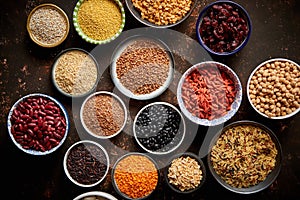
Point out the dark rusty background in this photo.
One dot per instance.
(25, 68)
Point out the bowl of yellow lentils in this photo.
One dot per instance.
(161, 14)
(99, 21)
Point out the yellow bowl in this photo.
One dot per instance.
(35, 38)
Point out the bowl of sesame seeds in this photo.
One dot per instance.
(99, 21)
(48, 25)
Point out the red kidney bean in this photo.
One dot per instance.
(223, 28)
(38, 123)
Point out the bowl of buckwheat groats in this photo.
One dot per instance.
(245, 157)
(161, 14)
(99, 21)
(273, 88)
(185, 173)
(223, 28)
(209, 93)
(142, 67)
(38, 124)
(48, 25)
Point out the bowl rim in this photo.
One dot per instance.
(54, 65)
(182, 123)
(136, 14)
(120, 49)
(67, 171)
(269, 179)
(248, 84)
(95, 193)
(31, 151)
(202, 168)
(91, 40)
(115, 186)
(61, 11)
(116, 97)
(236, 104)
(238, 48)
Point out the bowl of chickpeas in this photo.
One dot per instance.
(161, 14)
(273, 88)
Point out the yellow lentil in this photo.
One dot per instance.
(99, 19)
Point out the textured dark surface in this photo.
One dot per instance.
(26, 68)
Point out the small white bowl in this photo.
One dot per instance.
(113, 71)
(234, 106)
(114, 96)
(91, 194)
(28, 114)
(179, 137)
(83, 142)
(249, 82)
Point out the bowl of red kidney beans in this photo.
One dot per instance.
(223, 28)
(38, 124)
(209, 93)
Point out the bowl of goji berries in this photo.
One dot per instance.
(209, 93)
(223, 28)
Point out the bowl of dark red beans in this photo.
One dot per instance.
(209, 93)
(86, 163)
(38, 124)
(159, 128)
(223, 28)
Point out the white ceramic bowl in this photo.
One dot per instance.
(93, 115)
(277, 97)
(99, 194)
(160, 127)
(117, 53)
(218, 67)
(26, 124)
(83, 142)
(78, 79)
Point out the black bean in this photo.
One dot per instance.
(163, 130)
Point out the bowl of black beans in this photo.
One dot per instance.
(159, 128)
(223, 28)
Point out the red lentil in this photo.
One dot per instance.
(136, 176)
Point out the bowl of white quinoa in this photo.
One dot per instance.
(48, 25)
(245, 157)
(75, 72)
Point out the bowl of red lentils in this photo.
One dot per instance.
(142, 67)
(48, 25)
(209, 93)
(161, 14)
(185, 173)
(273, 88)
(38, 124)
(103, 114)
(75, 72)
(99, 21)
(223, 28)
(135, 176)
